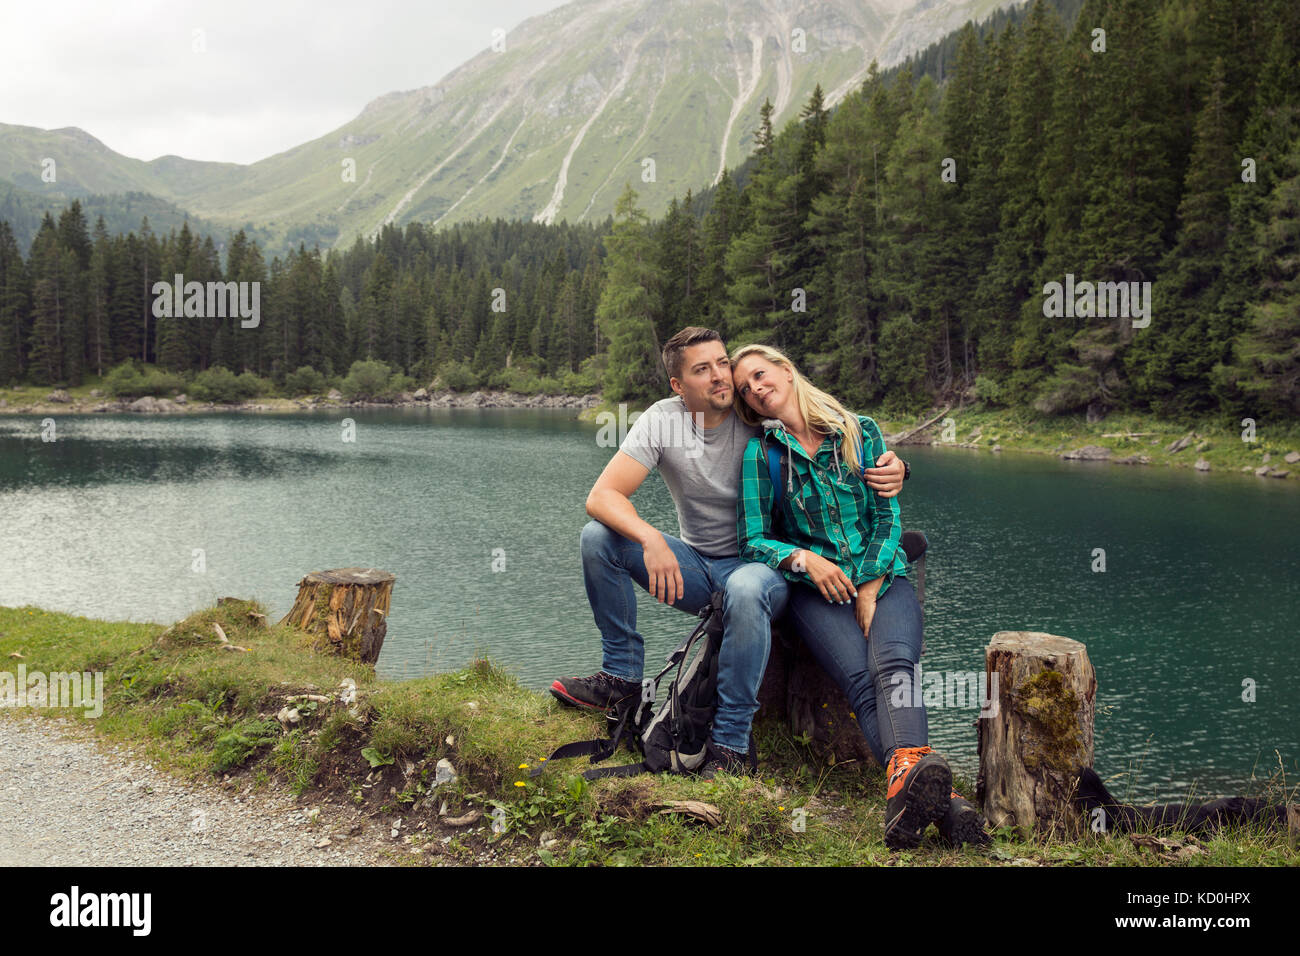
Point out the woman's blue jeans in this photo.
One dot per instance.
(876, 675)
(753, 595)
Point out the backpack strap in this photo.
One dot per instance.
(625, 770)
(774, 469)
(599, 749)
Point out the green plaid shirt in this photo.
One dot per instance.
(829, 510)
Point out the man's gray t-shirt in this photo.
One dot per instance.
(700, 466)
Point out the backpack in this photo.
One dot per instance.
(674, 738)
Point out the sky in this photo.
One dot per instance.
(234, 80)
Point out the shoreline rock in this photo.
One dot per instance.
(444, 398)
(1088, 453)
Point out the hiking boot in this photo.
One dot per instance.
(920, 785)
(598, 692)
(963, 823)
(718, 759)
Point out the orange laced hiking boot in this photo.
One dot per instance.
(963, 823)
(920, 785)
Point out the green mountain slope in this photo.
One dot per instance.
(580, 100)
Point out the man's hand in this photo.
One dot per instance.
(834, 584)
(663, 573)
(886, 479)
(866, 605)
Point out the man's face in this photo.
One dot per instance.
(705, 379)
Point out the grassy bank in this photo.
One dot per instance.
(177, 698)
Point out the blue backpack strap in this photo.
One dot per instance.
(774, 469)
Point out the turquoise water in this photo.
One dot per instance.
(1199, 593)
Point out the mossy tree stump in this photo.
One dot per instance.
(1038, 736)
(796, 689)
(346, 610)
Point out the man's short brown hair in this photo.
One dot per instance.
(673, 348)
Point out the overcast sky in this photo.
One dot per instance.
(271, 73)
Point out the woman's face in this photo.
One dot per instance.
(764, 386)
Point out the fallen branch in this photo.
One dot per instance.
(225, 641)
(902, 439)
(706, 812)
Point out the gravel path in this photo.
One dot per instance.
(67, 798)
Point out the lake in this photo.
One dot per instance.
(1198, 601)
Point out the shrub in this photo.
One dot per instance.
(401, 383)
(367, 380)
(127, 381)
(123, 381)
(251, 386)
(583, 382)
(241, 742)
(988, 390)
(159, 383)
(216, 384)
(457, 376)
(305, 381)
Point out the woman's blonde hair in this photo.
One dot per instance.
(819, 410)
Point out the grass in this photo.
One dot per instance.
(186, 705)
(1219, 440)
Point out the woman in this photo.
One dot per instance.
(857, 611)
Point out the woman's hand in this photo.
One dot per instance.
(866, 605)
(834, 584)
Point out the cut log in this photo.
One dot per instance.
(1036, 738)
(903, 438)
(346, 610)
(797, 691)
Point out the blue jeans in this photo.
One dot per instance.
(876, 675)
(753, 595)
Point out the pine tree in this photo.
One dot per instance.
(1169, 361)
(719, 226)
(1266, 366)
(1037, 126)
(54, 278)
(13, 308)
(630, 307)
(99, 292)
(840, 230)
(759, 260)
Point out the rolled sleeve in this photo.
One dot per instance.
(885, 533)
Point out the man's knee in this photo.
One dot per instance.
(596, 538)
(754, 585)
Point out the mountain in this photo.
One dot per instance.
(661, 93)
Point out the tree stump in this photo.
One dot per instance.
(346, 610)
(797, 690)
(1037, 734)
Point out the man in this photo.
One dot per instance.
(696, 442)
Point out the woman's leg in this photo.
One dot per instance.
(876, 675)
(895, 651)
